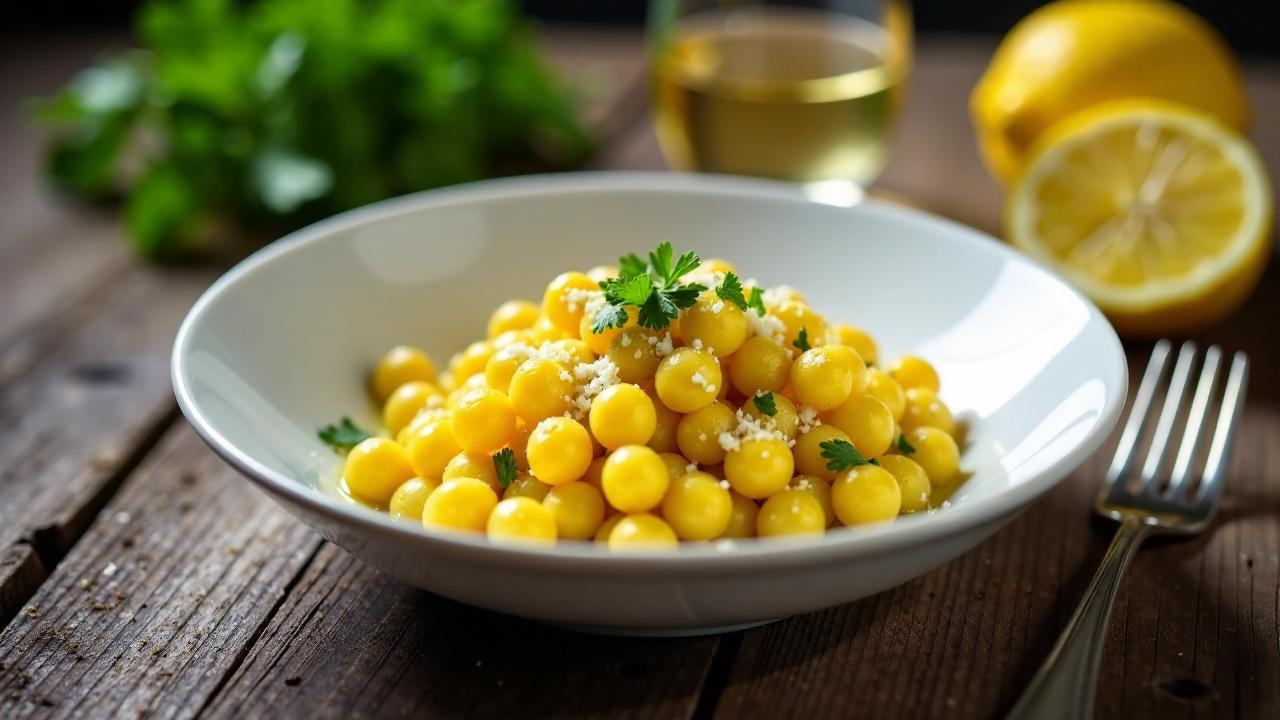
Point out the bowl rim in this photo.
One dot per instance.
(723, 556)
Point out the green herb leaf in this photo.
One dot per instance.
(841, 455)
(905, 447)
(730, 290)
(345, 435)
(632, 290)
(802, 340)
(660, 260)
(631, 264)
(609, 316)
(756, 301)
(504, 463)
(687, 263)
(765, 403)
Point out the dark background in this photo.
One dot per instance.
(1251, 26)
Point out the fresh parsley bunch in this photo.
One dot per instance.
(654, 288)
(272, 114)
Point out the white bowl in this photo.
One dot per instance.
(281, 344)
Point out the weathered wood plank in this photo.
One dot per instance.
(161, 597)
(349, 642)
(89, 393)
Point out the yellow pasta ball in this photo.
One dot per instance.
(473, 465)
(791, 512)
(526, 485)
(483, 421)
(545, 331)
(887, 390)
(854, 337)
(559, 450)
(912, 480)
(641, 531)
(606, 527)
(635, 479)
(697, 507)
(599, 342)
(823, 377)
(375, 468)
(937, 453)
(785, 419)
(400, 365)
(866, 421)
(521, 520)
(578, 510)
(742, 517)
(718, 266)
(677, 464)
(797, 316)
(408, 499)
(635, 351)
(923, 408)
(759, 468)
(540, 389)
(565, 300)
(866, 494)
(668, 423)
(911, 372)
(502, 366)
(520, 443)
(808, 450)
(513, 315)
(431, 447)
(820, 490)
(426, 415)
(622, 415)
(688, 379)
(406, 401)
(714, 324)
(472, 360)
(594, 475)
(698, 434)
(578, 352)
(460, 504)
(760, 365)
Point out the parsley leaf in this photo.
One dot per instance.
(504, 463)
(632, 290)
(631, 264)
(345, 435)
(609, 316)
(731, 290)
(654, 289)
(802, 340)
(756, 301)
(841, 455)
(904, 446)
(765, 403)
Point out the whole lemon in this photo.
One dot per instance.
(1073, 54)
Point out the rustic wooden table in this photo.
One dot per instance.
(140, 576)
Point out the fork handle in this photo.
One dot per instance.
(1064, 685)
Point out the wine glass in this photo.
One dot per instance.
(800, 91)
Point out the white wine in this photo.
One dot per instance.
(786, 93)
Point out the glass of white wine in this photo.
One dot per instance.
(800, 91)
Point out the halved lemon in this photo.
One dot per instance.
(1160, 214)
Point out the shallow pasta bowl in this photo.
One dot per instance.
(280, 346)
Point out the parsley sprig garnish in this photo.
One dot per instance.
(905, 447)
(841, 455)
(504, 463)
(345, 435)
(765, 403)
(802, 340)
(653, 287)
(731, 290)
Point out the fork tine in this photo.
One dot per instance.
(1159, 451)
(1139, 413)
(1225, 433)
(1178, 479)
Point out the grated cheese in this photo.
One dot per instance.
(593, 378)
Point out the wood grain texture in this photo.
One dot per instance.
(350, 642)
(160, 599)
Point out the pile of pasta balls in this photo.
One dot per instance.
(732, 411)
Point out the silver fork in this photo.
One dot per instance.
(1064, 686)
